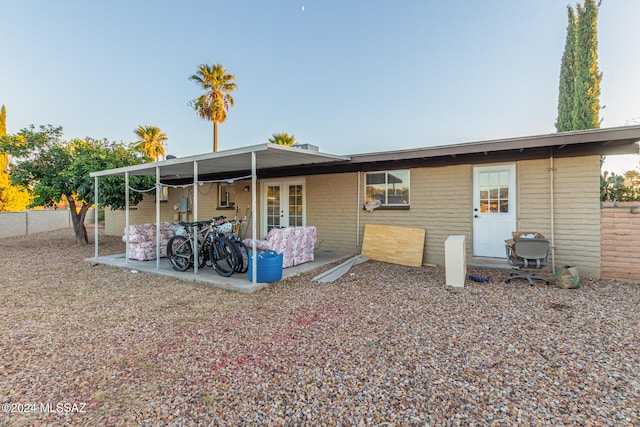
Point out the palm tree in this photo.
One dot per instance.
(283, 139)
(213, 104)
(151, 143)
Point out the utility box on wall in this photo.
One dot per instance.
(184, 205)
(455, 261)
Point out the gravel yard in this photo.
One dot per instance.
(385, 345)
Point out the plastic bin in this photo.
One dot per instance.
(455, 261)
(269, 267)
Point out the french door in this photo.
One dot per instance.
(283, 204)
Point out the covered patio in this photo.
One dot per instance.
(226, 166)
(238, 282)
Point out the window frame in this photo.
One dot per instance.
(230, 204)
(389, 206)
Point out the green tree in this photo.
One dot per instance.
(214, 103)
(567, 77)
(151, 142)
(283, 139)
(586, 100)
(5, 179)
(580, 78)
(620, 188)
(3, 121)
(55, 168)
(12, 198)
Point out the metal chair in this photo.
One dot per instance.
(527, 256)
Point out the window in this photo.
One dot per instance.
(494, 192)
(164, 193)
(225, 196)
(390, 187)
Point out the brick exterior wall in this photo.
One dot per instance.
(620, 224)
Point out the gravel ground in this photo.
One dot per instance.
(384, 345)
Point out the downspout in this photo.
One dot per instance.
(358, 214)
(553, 231)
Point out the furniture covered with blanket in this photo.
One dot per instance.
(142, 240)
(296, 244)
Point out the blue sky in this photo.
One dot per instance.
(347, 76)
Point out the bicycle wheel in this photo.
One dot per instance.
(223, 257)
(243, 256)
(203, 253)
(180, 253)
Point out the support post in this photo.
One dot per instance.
(95, 216)
(158, 192)
(254, 229)
(196, 249)
(126, 216)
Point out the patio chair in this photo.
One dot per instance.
(527, 256)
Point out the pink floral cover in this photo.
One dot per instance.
(296, 244)
(142, 240)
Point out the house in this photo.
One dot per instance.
(482, 190)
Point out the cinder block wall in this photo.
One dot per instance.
(34, 221)
(620, 226)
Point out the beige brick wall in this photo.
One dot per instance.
(335, 212)
(441, 203)
(620, 240)
(533, 196)
(577, 207)
(332, 206)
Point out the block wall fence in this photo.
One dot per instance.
(620, 240)
(37, 221)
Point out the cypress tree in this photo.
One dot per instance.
(567, 76)
(579, 95)
(586, 100)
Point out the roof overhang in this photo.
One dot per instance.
(268, 156)
(620, 140)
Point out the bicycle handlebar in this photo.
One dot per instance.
(202, 223)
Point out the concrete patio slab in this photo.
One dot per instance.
(207, 275)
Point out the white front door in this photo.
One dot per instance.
(283, 204)
(494, 209)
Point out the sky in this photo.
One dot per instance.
(349, 76)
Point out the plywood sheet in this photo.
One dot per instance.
(397, 245)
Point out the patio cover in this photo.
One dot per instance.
(228, 162)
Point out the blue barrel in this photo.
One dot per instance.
(269, 266)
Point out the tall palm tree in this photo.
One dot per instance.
(214, 103)
(283, 139)
(152, 142)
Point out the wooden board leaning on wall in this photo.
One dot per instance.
(396, 245)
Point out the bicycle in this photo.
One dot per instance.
(239, 247)
(212, 246)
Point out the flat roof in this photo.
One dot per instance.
(268, 156)
(618, 140)
(277, 159)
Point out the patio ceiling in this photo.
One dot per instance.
(267, 156)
